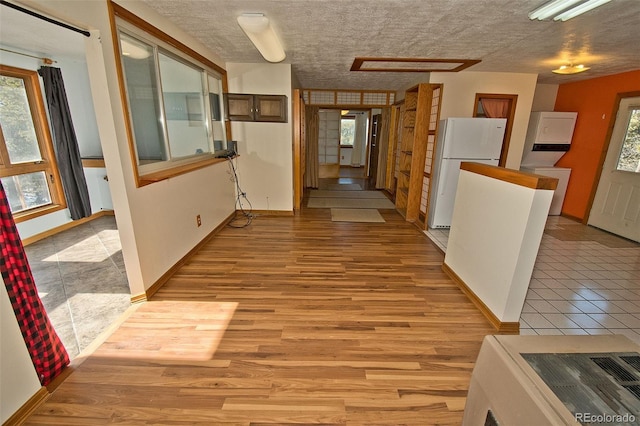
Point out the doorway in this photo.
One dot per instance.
(342, 141)
(494, 105)
(616, 204)
(329, 143)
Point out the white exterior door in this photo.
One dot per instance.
(616, 207)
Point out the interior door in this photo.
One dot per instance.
(616, 206)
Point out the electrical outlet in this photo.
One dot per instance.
(198, 220)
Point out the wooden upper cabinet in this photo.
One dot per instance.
(239, 107)
(248, 107)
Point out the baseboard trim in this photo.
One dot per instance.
(28, 408)
(64, 227)
(574, 218)
(502, 327)
(167, 275)
(138, 298)
(273, 212)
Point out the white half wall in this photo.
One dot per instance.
(265, 161)
(494, 239)
(459, 94)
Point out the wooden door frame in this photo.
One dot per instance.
(394, 121)
(298, 149)
(605, 149)
(504, 152)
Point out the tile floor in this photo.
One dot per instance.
(81, 279)
(585, 281)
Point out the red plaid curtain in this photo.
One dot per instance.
(47, 352)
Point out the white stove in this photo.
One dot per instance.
(555, 380)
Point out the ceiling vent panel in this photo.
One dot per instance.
(411, 64)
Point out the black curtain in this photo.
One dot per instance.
(66, 144)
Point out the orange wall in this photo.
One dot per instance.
(594, 101)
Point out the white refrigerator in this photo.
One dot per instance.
(460, 139)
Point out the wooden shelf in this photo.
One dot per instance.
(418, 137)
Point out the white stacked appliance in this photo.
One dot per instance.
(549, 138)
(460, 139)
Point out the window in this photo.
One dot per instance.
(27, 166)
(347, 131)
(174, 104)
(629, 160)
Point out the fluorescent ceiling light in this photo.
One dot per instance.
(564, 9)
(257, 27)
(580, 9)
(551, 9)
(570, 69)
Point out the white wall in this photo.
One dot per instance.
(265, 162)
(18, 378)
(459, 94)
(544, 98)
(98, 185)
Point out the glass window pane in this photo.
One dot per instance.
(347, 131)
(217, 125)
(27, 191)
(144, 103)
(629, 160)
(182, 90)
(17, 123)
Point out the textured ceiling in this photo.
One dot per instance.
(322, 37)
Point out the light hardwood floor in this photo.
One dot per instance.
(292, 320)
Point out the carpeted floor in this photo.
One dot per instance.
(356, 215)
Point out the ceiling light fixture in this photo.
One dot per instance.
(257, 27)
(563, 10)
(570, 69)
